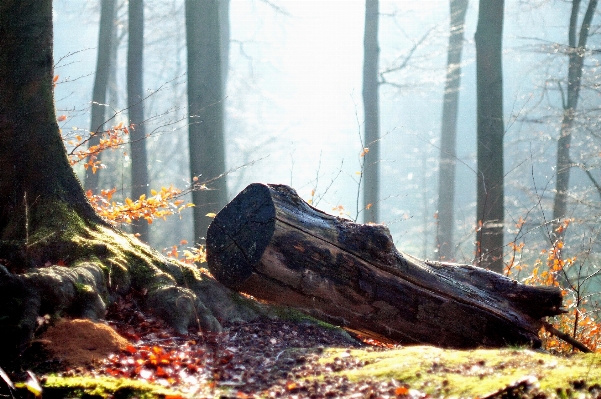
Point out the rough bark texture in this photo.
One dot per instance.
(205, 107)
(577, 50)
(101, 78)
(489, 76)
(135, 100)
(371, 54)
(448, 136)
(56, 255)
(269, 243)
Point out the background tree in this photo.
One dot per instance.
(224, 26)
(448, 135)
(205, 109)
(577, 39)
(106, 47)
(135, 100)
(371, 175)
(490, 132)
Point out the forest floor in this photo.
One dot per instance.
(276, 359)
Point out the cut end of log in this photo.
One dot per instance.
(239, 234)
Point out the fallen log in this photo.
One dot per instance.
(269, 243)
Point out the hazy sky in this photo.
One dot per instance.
(294, 96)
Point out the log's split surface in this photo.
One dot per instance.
(269, 243)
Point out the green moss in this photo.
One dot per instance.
(472, 373)
(102, 387)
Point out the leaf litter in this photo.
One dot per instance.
(272, 359)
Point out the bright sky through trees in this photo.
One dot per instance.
(294, 98)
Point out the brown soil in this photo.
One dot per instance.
(81, 342)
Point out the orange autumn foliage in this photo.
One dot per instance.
(158, 205)
(551, 269)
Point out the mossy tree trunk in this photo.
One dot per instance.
(56, 255)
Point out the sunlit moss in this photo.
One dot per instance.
(471, 373)
(103, 387)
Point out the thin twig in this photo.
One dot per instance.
(566, 337)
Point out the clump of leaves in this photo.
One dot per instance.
(552, 269)
(159, 205)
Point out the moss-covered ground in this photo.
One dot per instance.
(102, 387)
(472, 373)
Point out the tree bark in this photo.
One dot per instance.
(101, 78)
(224, 27)
(45, 218)
(269, 243)
(490, 192)
(135, 100)
(205, 109)
(448, 136)
(371, 158)
(577, 51)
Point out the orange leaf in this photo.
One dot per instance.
(290, 386)
(401, 391)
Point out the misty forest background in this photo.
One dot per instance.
(293, 114)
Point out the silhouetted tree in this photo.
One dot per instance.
(577, 39)
(224, 26)
(490, 190)
(135, 101)
(101, 78)
(205, 109)
(371, 175)
(448, 135)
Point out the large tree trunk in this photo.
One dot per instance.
(490, 213)
(205, 109)
(269, 243)
(577, 51)
(448, 135)
(45, 218)
(103, 68)
(135, 101)
(371, 54)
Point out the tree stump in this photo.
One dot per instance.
(269, 243)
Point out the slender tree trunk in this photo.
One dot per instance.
(135, 97)
(371, 174)
(448, 137)
(205, 109)
(101, 79)
(224, 26)
(489, 76)
(577, 50)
